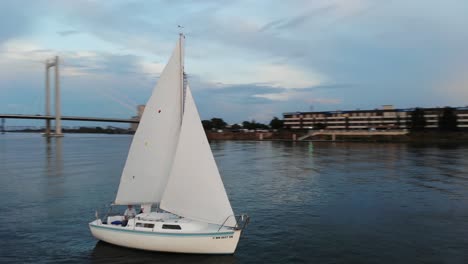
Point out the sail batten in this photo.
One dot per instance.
(195, 189)
(151, 153)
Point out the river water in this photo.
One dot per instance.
(309, 202)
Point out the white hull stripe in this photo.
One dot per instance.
(163, 234)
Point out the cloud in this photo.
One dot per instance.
(108, 84)
(247, 58)
(274, 75)
(454, 87)
(324, 101)
(19, 54)
(287, 76)
(295, 95)
(65, 33)
(151, 68)
(284, 96)
(259, 101)
(17, 19)
(294, 21)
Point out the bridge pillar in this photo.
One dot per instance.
(3, 126)
(58, 119)
(47, 98)
(333, 137)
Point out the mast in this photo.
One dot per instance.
(182, 79)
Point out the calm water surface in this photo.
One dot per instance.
(308, 202)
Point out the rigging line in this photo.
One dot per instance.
(121, 96)
(117, 100)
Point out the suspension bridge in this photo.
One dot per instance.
(57, 115)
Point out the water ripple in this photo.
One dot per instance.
(309, 202)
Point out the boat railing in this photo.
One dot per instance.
(241, 221)
(109, 212)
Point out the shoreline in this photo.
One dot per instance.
(295, 136)
(412, 137)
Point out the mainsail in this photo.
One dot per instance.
(195, 189)
(151, 154)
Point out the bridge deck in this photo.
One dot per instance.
(71, 118)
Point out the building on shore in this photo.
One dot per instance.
(140, 110)
(386, 117)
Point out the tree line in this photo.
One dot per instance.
(218, 123)
(447, 120)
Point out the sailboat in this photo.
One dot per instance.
(171, 172)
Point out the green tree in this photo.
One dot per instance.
(235, 127)
(276, 123)
(254, 125)
(248, 125)
(218, 123)
(448, 120)
(261, 126)
(207, 125)
(418, 121)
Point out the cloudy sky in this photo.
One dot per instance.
(246, 59)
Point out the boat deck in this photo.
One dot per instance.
(162, 222)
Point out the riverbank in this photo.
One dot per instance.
(435, 136)
(228, 135)
(291, 135)
(288, 135)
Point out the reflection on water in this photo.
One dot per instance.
(107, 253)
(53, 156)
(309, 202)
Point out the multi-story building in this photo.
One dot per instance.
(386, 117)
(140, 110)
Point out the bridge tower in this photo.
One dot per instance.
(58, 121)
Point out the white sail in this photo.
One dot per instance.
(151, 154)
(195, 189)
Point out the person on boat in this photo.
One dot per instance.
(128, 214)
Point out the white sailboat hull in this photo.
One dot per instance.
(195, 243)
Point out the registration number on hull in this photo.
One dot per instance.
(222, 237)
